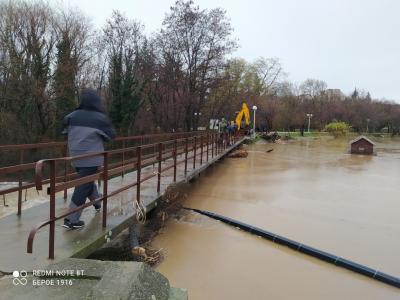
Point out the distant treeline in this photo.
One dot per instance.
(174, 79)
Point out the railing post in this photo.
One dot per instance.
(105, 189)
(123, 158)
(186, 154)
(194, 152)
(216, 143)
(21, 161)
(52, 208)
(154, 152)
(201, 150)
(138, 172)
(175, 153)
(212, 145)
(224, 141)
(65, 171)
(160, 145)
(208, 141)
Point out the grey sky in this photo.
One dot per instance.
(347, 43)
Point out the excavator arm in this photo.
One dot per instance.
(243, 113)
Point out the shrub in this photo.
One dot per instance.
(337, 128)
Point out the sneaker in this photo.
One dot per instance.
(97, 206)
(68, 224)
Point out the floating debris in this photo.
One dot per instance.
(270, 136)
(148, 255)
(238, 154)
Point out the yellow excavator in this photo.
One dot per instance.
(243, 113)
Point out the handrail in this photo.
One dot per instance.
(156, 157)
(8, 147)
(16, 168)
(26, 167)
(31, 146)
(40, 163)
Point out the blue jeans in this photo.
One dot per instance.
(83, 191)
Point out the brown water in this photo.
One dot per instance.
(311, 191)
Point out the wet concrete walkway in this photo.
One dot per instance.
(14, 230)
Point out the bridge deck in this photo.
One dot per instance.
(14, 230)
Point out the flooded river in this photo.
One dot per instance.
(310, 191)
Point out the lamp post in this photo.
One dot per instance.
(254, 121)
(309, 116)
(197, 115)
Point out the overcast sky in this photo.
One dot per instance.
(347, 43)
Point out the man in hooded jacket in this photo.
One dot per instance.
(88, 127)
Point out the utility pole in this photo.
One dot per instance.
(254, 121)
(309, 116)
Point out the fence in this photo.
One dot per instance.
(179, 150)
(24, 168)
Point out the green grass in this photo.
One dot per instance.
(297, 134)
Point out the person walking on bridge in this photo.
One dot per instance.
(88, 127)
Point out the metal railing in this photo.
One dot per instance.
(179, 150)
(60, 149)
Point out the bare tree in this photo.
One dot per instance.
(269, 72)
(198, 42)
(27, 38)
(313, 87)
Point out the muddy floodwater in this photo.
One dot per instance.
(308, 190)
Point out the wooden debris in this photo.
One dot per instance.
(270, 137)
(150, 256)
(163, 217)
(238, 154)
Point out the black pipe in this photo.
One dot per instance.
(325, 256)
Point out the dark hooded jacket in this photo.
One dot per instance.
(88, 128)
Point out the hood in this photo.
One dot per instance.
(90, 101)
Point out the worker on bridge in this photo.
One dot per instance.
(231, 133)
(88, 127)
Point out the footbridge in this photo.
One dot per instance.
(137, 171)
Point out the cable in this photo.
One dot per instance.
(140, 211)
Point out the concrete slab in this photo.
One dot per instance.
(96, 280)
(178, 294)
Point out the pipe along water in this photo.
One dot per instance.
(322, 255)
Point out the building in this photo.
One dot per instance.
(362, 145)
